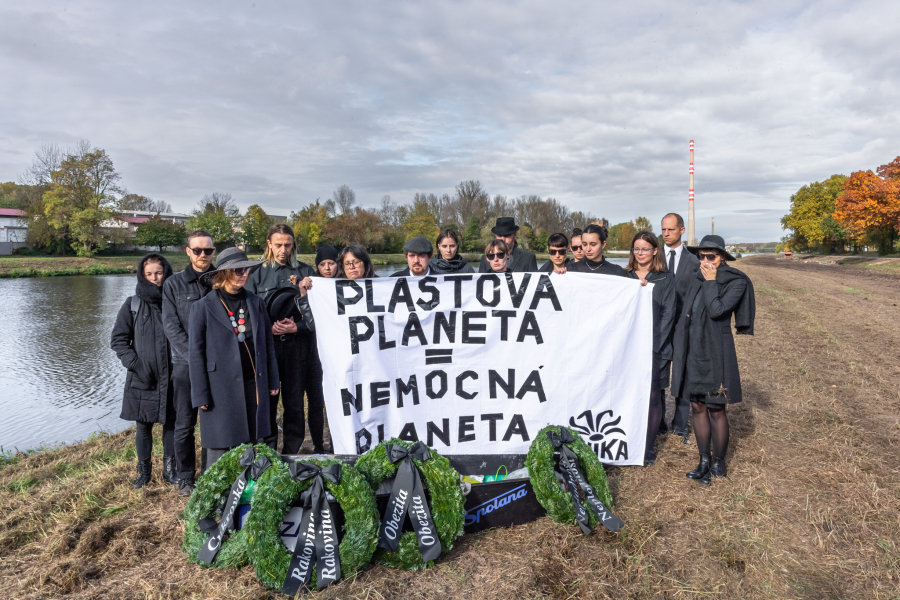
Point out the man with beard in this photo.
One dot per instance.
(418, 254)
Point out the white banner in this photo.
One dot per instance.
(478, 364)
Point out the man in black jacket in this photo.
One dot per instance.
(685, 266)
(522, 261)
(418, 254)
(180, 292)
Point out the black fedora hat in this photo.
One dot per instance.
(712, 242)
(280, 304)
(505, 226)
(231, 258)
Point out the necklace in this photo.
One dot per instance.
(238, 322)
(588, 262)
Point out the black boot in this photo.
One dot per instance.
(185, 487)
(718, 468)
(702, 469)
(143, 469)
(170, 472)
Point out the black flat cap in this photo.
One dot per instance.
(419, 245)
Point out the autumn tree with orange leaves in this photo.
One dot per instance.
(870, 205)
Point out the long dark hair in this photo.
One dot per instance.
(659, 261)
(360, 253)
(447, 233)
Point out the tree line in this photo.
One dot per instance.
(846, 212)
(72, 197)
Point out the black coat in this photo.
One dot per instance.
(215, 367)
(140, 343)
(663, 320)
(685, 272)
(548, 266)
(522, 261)
(705, 360)
(180, 292)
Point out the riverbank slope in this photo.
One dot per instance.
(809, 508)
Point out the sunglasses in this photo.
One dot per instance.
(707, 257)
(500, 255)
(206, 251)
(242, 271)
(576, 248)
(553, 252)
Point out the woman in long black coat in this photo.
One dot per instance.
(140, 343)
(706, 367)
(234, 374)
(648, 265)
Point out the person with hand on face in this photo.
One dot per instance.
(646, 264)
(354, 263)
(521, 261)
(705, 368)
(575, 245)
(295, 345)
(326, 261)
(684, 265)
(138, 339)
(180, 293)
(418, 252)
(557, 248)
(593, 241)
(498, 257)
(449, 260)
(234, 373)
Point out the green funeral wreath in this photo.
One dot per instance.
(446, 502)
(268, 554)
(548, 489)
(210, 494)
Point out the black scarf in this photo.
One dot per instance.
(145, 290)
(442, 265)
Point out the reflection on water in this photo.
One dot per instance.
(59, 381)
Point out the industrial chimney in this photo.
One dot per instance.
(692, 232)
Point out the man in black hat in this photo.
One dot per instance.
(179, 294)
(684, 265)
(522, 261)
(418, 252)
(295, 345)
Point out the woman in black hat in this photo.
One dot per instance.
(354, 263)
(448, 259)
(706, 368)
(648, 265)
(234, 373)
(593, 241)
(326, 261)
(140, 343)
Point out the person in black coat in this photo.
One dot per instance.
(138, 339)
(448, 259)
(646, 264)
(557, 248)
(593, 241)
(497, 256)
(706, 367)
(521, 261)
(234, 373)
(418, 253)
(685, 266)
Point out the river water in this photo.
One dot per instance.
(59, 381)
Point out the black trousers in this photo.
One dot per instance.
(680, 418)
(143, 439)
(185, 424)
(301, 373)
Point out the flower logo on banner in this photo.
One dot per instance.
(598, 433)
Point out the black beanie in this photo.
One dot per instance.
(326, 252)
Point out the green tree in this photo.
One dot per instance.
(471, 238)
(160, 233)
(420, 222)
(81, 199)
(309, 225)
(642, 224)
(216, 214)
(810, 222)
(255, 227)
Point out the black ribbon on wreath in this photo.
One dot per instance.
(253, 468)
(408, 497)
(317, 540)
(575, 480)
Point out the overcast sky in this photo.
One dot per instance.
(592, 103)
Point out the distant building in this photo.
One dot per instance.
(601, 222)
(13, 230)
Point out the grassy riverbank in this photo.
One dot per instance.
(809, 509)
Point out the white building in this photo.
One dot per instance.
(13, 230)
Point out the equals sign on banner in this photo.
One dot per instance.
(438, 357)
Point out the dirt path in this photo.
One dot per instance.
(809, 509)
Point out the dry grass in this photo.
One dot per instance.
(809, 509)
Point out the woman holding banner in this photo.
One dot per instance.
(593, 241)
(354, 263)
(234, 373)
(326, 261)
(448, 259)
(497, 255)
(706, 368)
(648, 265)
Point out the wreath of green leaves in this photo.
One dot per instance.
(210, 494)
(548, 489)
(446, 502)
(268, 554)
